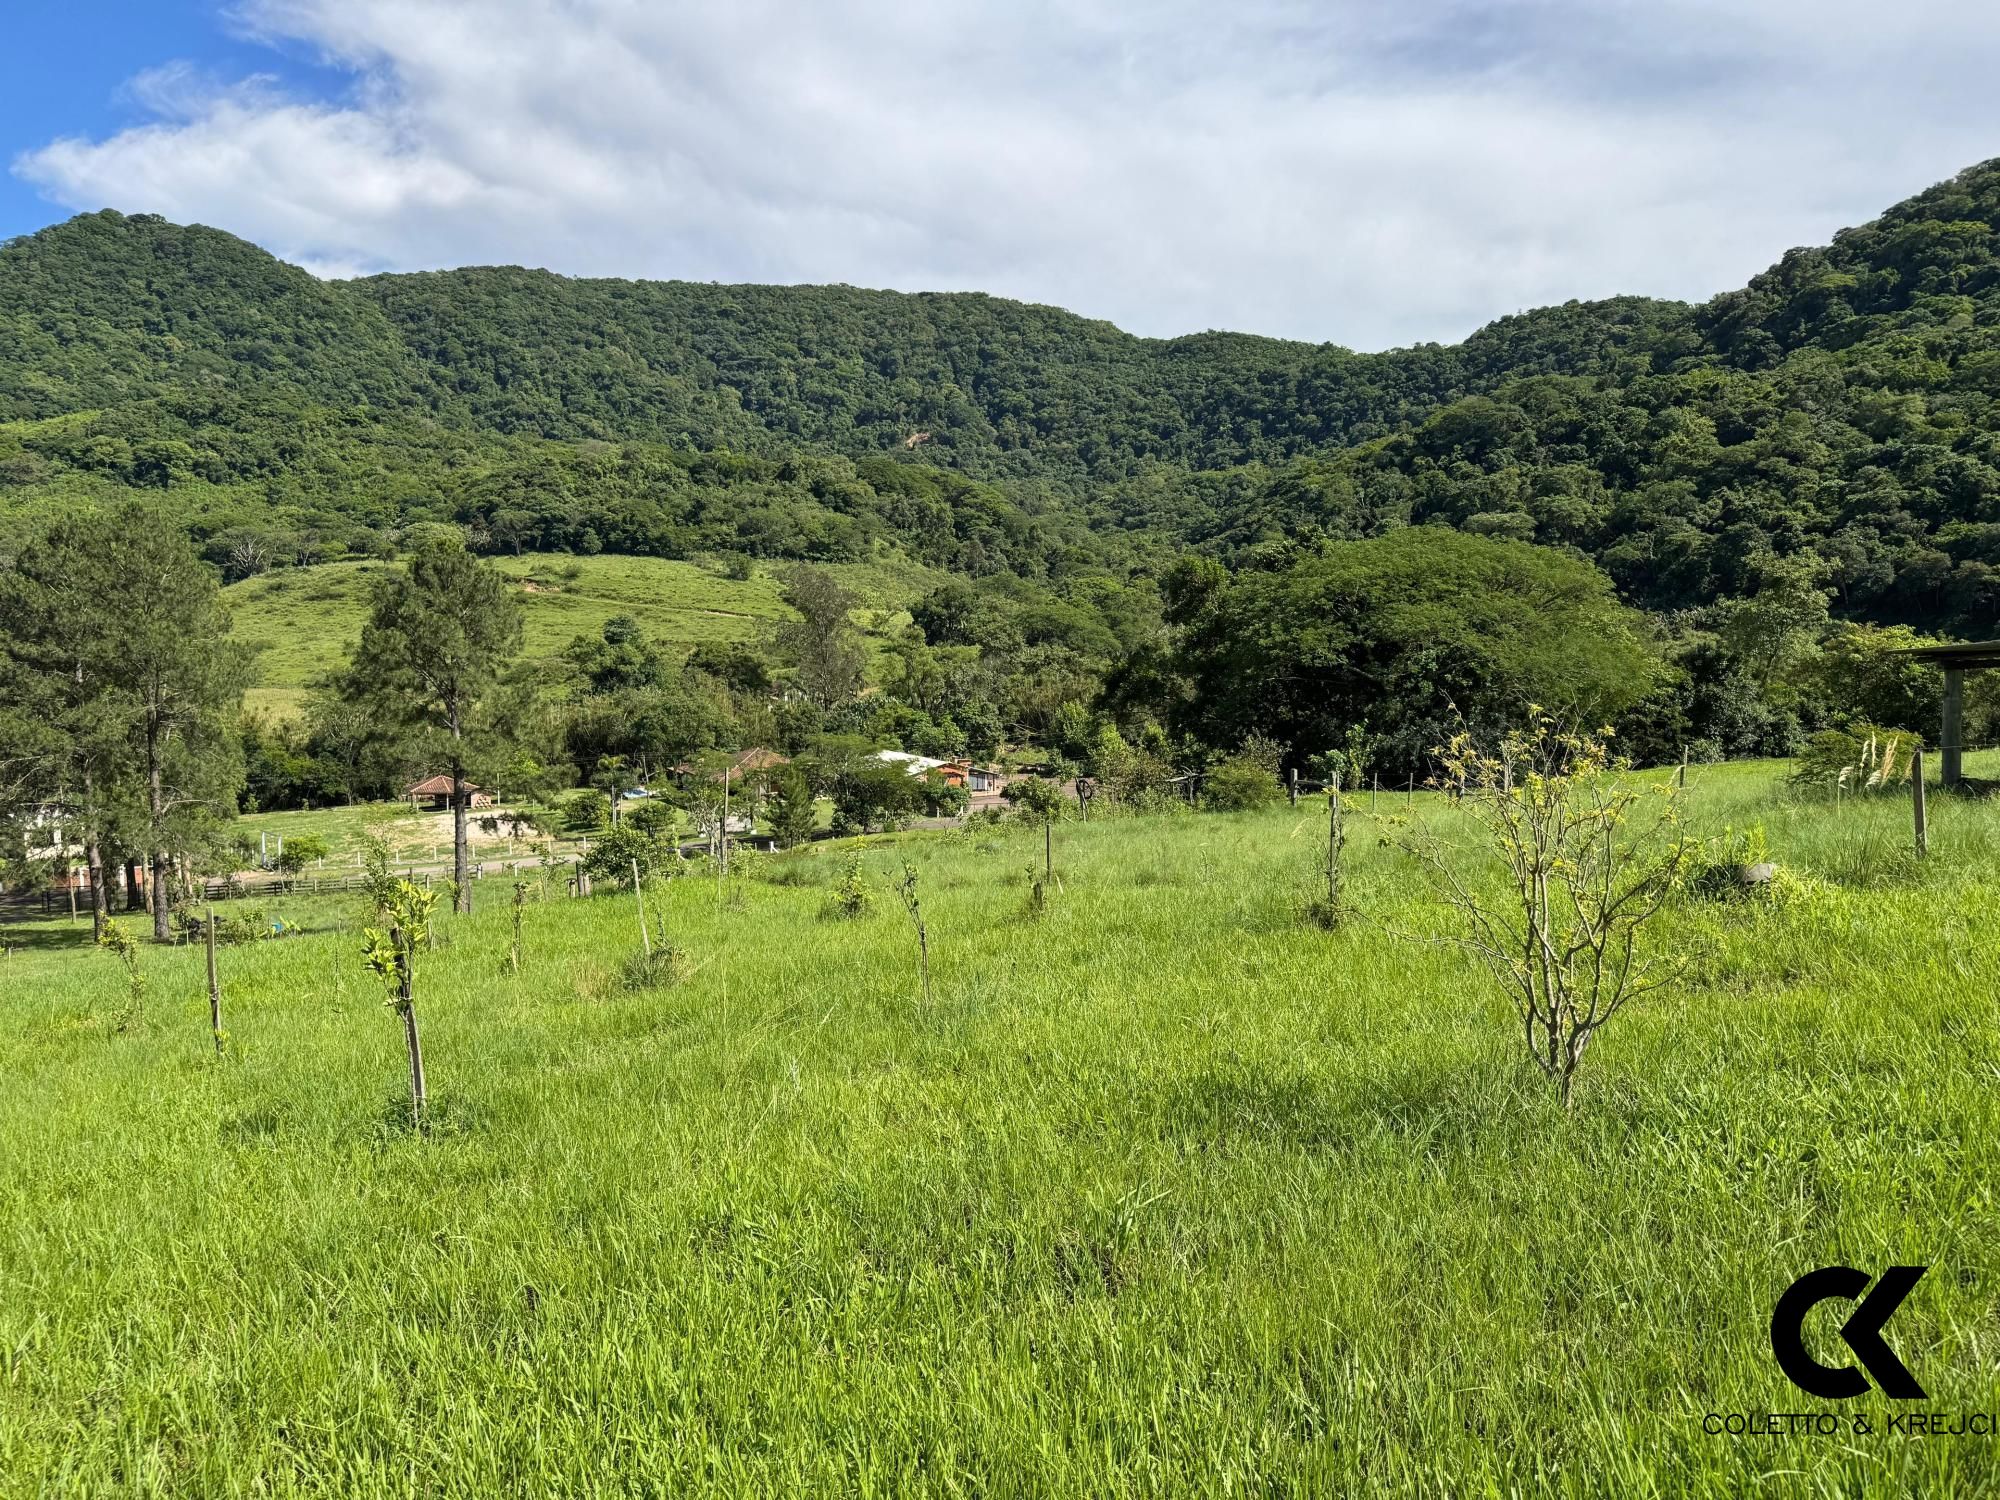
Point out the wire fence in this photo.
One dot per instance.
(75, 897)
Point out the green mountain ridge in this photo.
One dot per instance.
(106, 308)
(1840, 413)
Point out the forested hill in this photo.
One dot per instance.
(1843, 412)
(106, 308)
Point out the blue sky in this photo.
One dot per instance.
(68, 67)
(1368, 172)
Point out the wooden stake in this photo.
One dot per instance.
(514, 948)
(639, 891)
(1333, 847)
(407, 1003)
(1681, 780)
(1917, 801)
(1951, 742)
(214, 988)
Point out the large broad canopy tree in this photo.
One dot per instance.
(126, 690)
(433, 659)
(65, 767)
(1413, 634)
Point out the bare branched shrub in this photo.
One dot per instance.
(906, 888)
(1589, 857)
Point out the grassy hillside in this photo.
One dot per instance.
(1165, 1193)
(305, 621)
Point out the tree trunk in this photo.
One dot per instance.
(100, 899)
(406, 1003)
(161, 885)
(461, 863)
(162, 881)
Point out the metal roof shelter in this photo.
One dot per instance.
(1956, 658)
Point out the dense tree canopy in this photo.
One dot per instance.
(1807, 467)
(1408, 637)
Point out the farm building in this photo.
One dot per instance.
(433, 794)
(955, 772)
(1956, 658)
(750, 762)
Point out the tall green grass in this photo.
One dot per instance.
(1167, 1192)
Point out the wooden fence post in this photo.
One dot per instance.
(1681, 779)
(1292, 784)
(1917, 801)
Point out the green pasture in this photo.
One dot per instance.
(303, 622)
(1166, 1192)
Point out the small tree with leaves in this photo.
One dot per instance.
(851, 898)
(377, 878)
(391, 953)
(299, 851)
(1590, 859)
(114, 937)
(1328, 910)
(1040, 801)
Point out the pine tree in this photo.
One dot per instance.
(439, 638)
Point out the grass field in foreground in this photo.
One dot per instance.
(1165, 1193)
(305, 621)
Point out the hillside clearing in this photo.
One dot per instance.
(303, 622)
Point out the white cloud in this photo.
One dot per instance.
(1369, 172)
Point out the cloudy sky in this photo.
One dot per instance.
(1371, 172)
